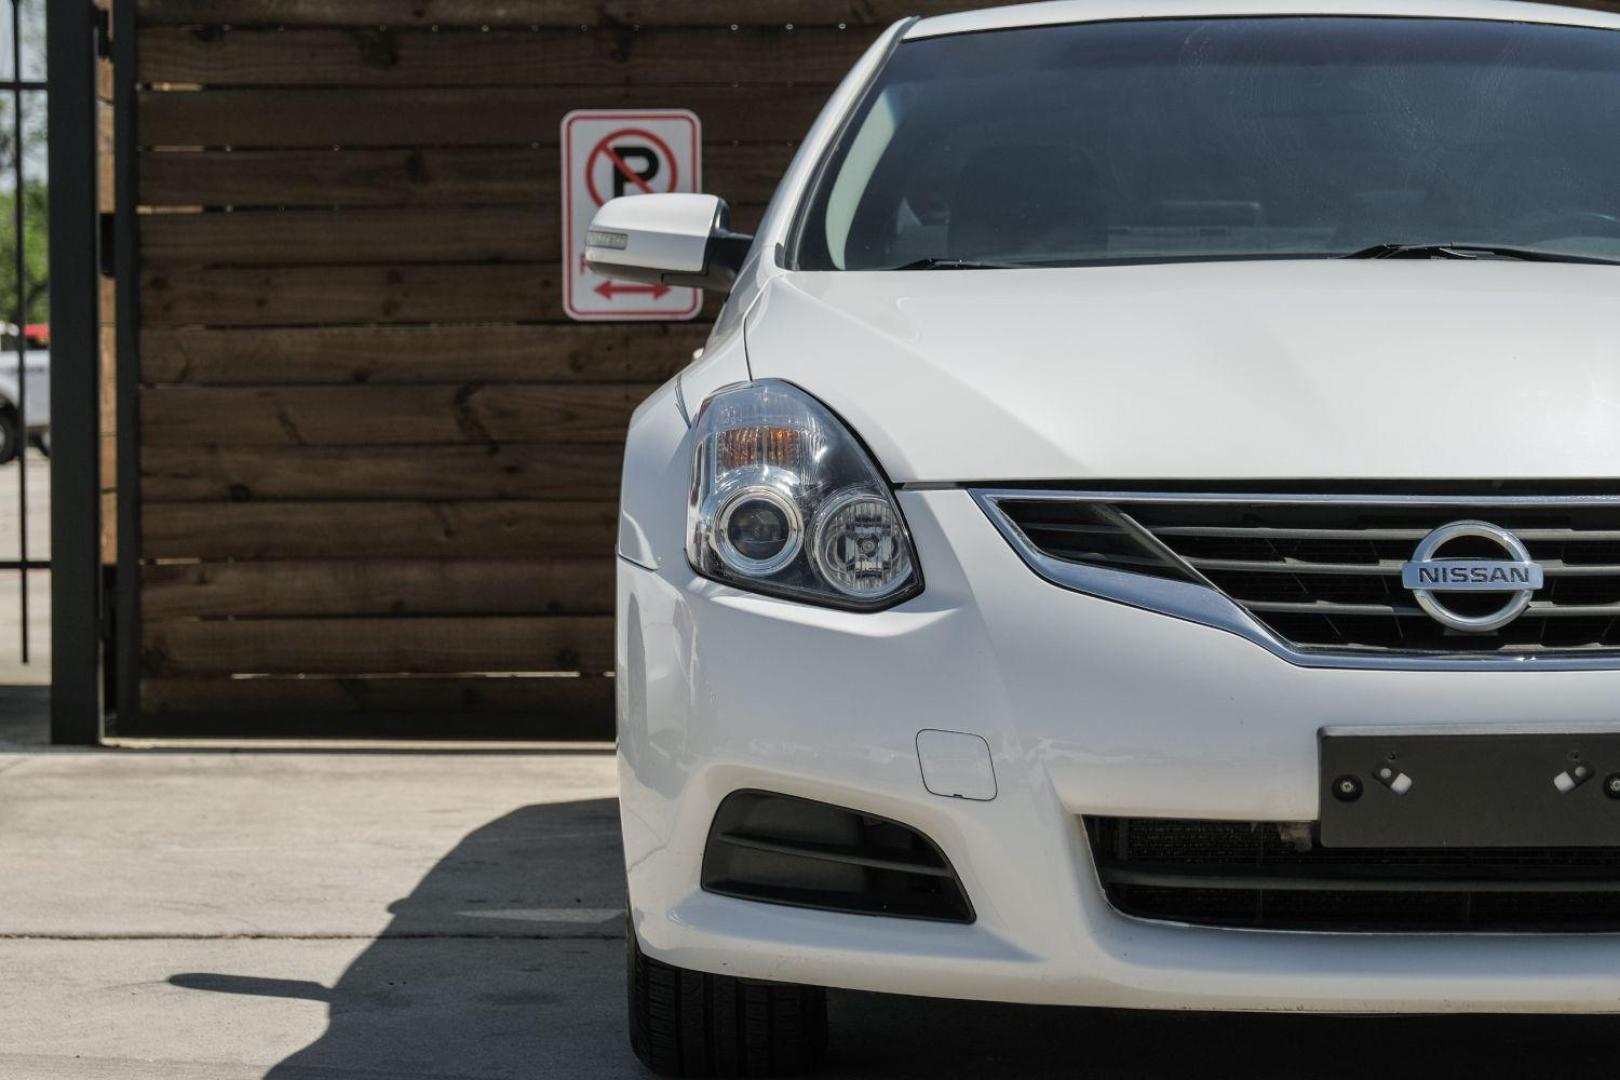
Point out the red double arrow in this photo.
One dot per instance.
(609, 289)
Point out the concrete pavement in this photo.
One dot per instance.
(38, 670)
(38, 479)
(309, 915)
(315, 916)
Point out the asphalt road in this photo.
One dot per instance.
(220, 916)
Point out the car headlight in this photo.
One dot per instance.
(786, 501)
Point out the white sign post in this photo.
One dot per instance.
(608, 153)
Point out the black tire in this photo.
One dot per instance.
(10, 434)
(686, 1023)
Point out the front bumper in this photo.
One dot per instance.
(1089, 707)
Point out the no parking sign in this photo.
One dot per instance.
(607, 154)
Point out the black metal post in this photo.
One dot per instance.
(22, 313)
(75, 317)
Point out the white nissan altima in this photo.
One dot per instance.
(1144, 532)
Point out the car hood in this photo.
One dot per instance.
(1442, 369)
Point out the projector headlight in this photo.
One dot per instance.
(786, 501)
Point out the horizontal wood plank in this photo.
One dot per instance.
(351, 294)
(377, 355)
(106, 161)
(524, 234)
(316, 295)
(108, 457)
(109, 527)
(371, 56)
(470, 645)
(447, 473)
(377, 530)
(327, 295)
(458, 117)
(389, 415)
(553, 13)
(539, 586)
(561, 706)
(742, 173)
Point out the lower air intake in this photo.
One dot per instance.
(1266, 875)
(784, 850)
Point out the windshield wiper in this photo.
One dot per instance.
(1472, 251)
(957, 264)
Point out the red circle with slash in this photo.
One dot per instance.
(605, 148)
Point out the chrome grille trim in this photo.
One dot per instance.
(1384, 567)
(1205, 603)
(1164, 552)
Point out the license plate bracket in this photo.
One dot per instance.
(1400, 788)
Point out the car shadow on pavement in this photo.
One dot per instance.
(506, 961)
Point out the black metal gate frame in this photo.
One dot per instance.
(74, 36)
(126, 621)
(17, 86)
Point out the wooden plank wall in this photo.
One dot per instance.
(378, 469)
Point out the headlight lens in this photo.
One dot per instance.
(861, 545)
(759, 530)
(785, 500)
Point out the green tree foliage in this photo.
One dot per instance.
(36, 190)
(36, 255)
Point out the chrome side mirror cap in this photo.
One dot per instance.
(667, 239)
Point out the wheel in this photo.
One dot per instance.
(686, 1023)
(10, 433)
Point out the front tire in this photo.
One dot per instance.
(686, 1023)
(10, 434)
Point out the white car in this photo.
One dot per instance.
(1144, 531)
(35, 415)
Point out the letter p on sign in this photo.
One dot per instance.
(608, 154)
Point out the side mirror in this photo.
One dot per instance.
(669, 239)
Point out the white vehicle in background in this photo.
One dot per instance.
(1144, 531)
(36, 384)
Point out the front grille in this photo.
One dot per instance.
(1323, 574)
(1270, 876)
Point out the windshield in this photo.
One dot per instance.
(1226, 138)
